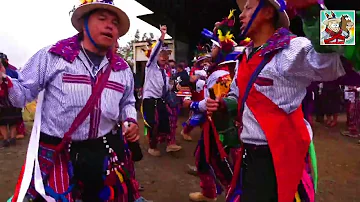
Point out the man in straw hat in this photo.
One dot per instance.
(269, 86)
(155, 106)
(198, 76)
(78, 148)
(211, 157)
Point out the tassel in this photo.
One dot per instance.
(105, 193)
(314, 164)
(110, 179)
(120, 177)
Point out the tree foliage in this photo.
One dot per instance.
(127, 51)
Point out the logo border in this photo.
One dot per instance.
(320, 41)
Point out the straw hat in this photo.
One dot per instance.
(87, 6)
(331, 18)
(283, 21)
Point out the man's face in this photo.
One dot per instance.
(179, 69)
(215, 51)
(205, 63)
(163, 58)
(334, 26)
(103, 26)
(263, 16)
(172, 64)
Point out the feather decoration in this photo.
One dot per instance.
(148, 49)
(209, 34)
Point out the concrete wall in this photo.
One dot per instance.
(181, 51)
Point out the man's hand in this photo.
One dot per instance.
(178, 87)
(212, 105)
(131, 132)
(186, 104)
(163, 30)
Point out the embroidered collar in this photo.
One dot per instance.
(69, 49)
(279, 40)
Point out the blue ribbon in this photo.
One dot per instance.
(57, 196)
(86, 24)
(195, 106)
(209, 34)
(282, 5)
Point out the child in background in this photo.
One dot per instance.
(353, 111)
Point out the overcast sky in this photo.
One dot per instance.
(27, 26)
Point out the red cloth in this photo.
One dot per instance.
(287, 134)
(334, 36)
(4, 87)
(195, 96)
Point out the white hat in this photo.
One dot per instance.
(283, 21)
(91, 5)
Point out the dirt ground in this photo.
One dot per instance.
(165, 178)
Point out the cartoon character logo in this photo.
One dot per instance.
(337, 30)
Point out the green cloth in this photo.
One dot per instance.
(231, 106)
(352, 53)
(229, 137)
(311, 27)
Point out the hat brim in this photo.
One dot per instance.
(283, 21)
(168, 51)
(326, 22)
(201, 58)
(227, 62)
(77, 19)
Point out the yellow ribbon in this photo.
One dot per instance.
(119, 176)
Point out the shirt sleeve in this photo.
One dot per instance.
(152, 62)
(32, 79)
(301, 60)
(127, 104)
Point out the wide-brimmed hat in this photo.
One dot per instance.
(201, 58)
(283, 20)
(165, 48)
(87, 6)
(331, 18)
(202, 52)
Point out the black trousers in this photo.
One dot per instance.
(259, 180)
(88, 158)
(159, 124)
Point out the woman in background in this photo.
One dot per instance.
(12, 72)
(331, 93)
(9, 116)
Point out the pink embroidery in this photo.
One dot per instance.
(72, 78)
(69, 49)
(115, 86)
